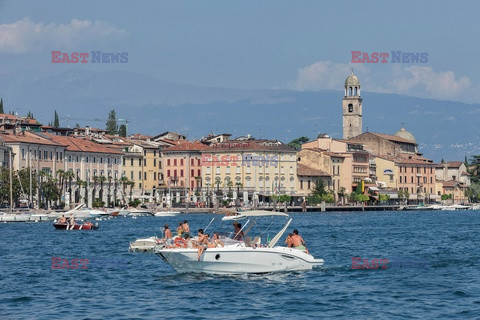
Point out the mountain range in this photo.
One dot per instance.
(443, 129)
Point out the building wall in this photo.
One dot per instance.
(391, 180)
(178, 168)
(266, 177)
(417, 177)
(377, 145)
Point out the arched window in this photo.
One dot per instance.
(350, 107)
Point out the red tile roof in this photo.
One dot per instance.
(184, 145)
(27, 137)
(81, 145)
(405, 158)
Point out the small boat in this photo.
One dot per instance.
(144, 245)
(82, 226)
(139, 212)
(169, 213)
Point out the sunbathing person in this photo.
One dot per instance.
(217, 242)
(62, 220)
(298, 242)
(288, 241)
(202, 243)
(180, 229)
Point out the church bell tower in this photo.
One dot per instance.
(352, 108)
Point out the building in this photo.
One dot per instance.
(453, 171)
(182, 170)
(416, 176)
(380, 144)
(169, 136)
(95, 170)
(4, 154)
(352, 108)
(142, 166)
(350, 163)
(308, 178)
(261, 167)
(12, 122)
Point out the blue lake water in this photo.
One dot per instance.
(142, 286)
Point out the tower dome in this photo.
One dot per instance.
(352, 81)
(402, 133)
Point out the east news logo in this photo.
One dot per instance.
(396, 57)
(92, 57)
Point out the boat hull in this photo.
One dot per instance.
(239, 260)
(61, 226)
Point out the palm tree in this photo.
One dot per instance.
(102, 180)
(94, 192)
(109, 196)
(115, 190)
(124, 181)
(61, 180)
(80, 184)
(69, 176)
(131, 184)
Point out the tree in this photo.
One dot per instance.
(318, 193)
(56, 122)
(1, 106)
(21, 179)
(122, 130)
(30, 115)
(297, 143)
(112, 127)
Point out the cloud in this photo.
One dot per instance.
(421, 81)
(25, 35)
(436, 84)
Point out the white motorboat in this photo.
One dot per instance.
(456, 207)
(241, 257)
(95, 213)
(168, 213)
(139, 212)
(144, 245)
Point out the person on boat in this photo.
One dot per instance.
(180, 229)
(237, 232)
(288, 241)
(62, 220)
(298, 242)
(71, 222)
(168, 232)
(186, 228)
(217, 243)
(202, 243)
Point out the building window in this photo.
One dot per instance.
(145, 162)
(168, 162)
(131, 175)
(308, 184)
(400, 179)
(144, 176)
(175, 173)
(199, 173)
(192, 162)
(181, 162)
(154, 162)
(181, 173)
(301, 184)
(139, 162)
(124, 161)
(168, 173)
(192, 173)
(131, 162)
(411, 180)
(139, 175)
(174, 162)
(350, 109)
(198, 162)
(86, 159)
(154, 153)
(23, 154)
(154, 176)
(101, 160)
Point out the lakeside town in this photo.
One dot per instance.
(110, 167)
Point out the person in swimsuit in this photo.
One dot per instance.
(62, 220)
(288, 241)
(180, 229)
(298, 242)
(202, 243)
(237, 232)
(217, 242)
(186, 228)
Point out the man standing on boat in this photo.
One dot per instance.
(71, 222)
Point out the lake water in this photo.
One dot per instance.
(440, 279)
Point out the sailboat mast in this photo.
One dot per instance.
(11, 177)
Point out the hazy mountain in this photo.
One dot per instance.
(444, 129)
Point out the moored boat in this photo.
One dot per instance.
(81, 226)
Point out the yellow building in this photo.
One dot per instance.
(264, 167)
(142, 166)
(386, 172)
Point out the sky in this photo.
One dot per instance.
(299, 45)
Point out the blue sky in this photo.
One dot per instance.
(300, 45)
